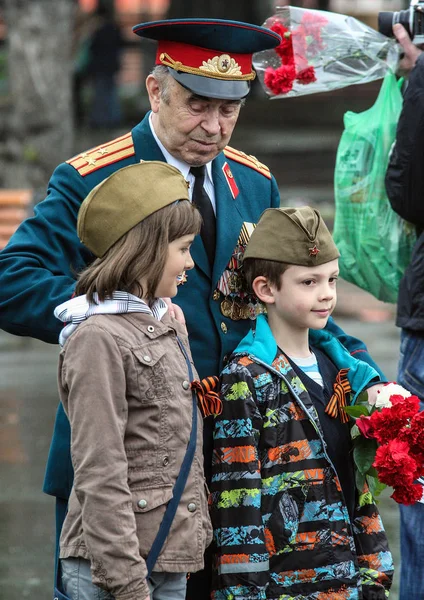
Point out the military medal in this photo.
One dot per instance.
(236, 311)
(237, 303)
(226, 306)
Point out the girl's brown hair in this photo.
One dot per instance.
(139, 254)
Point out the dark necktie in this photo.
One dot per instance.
(203, 203)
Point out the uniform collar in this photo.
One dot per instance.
(182, 166)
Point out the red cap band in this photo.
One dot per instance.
(204, 62)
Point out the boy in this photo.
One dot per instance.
(287, 524)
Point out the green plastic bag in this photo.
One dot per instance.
(374, 242)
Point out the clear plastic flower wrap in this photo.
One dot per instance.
(321, 51)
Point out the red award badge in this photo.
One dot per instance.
(230, 180)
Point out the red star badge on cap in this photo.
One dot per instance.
(313, 251)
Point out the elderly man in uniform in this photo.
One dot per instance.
(202, 74)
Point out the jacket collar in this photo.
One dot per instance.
(260, 344)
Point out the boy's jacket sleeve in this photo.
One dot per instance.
(241, 568)
(374, 557)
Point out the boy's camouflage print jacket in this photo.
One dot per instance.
(281, 527)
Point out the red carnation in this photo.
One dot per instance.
(285, 52)
(394, 464)
(280, 81)
(413, 435)
(311, 29)
(306, 76)
(269, 80)
(387, 423)
(407, 494)
(409, 406)
(279, 28)
(396, 398)
(365, 427)
(313, 19)
(285, 48)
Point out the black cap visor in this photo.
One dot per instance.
(210, 87)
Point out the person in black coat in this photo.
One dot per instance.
(405, 190)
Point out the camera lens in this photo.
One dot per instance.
(385, 23)
(386, 20)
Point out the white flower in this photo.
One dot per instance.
(390, 389)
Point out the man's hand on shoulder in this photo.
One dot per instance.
(411, 52)
(175, 311)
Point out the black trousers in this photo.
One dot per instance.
(199, 584)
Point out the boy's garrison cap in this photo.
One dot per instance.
(210, 57)
(124, 199)
(296, 236)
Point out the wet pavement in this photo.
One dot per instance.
(28, 398)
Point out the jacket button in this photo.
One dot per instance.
(142, 503)
(165, 461)
(224, 328)
(150, 329)
(191, 507)
(225, 359)
(147, 358)
(216, 295)
(186, 385)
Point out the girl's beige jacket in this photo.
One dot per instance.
(124, 384)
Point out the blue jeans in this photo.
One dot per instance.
(411, 377)
(77, 583)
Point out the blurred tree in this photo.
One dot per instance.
(36, 121)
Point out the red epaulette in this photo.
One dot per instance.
(103, 155)
(248, 160)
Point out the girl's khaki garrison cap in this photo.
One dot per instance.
(124, 199)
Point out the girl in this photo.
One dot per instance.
(124, 382)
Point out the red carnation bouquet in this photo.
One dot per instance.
(321, 51)
(388, 445)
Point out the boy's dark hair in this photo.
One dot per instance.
(139, 254)
(256, 267)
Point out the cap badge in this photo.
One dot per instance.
(313, 251)
(222, 65)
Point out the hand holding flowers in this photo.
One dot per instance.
(388, 444)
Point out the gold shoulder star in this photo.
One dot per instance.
(102, 151)
(91, 161)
